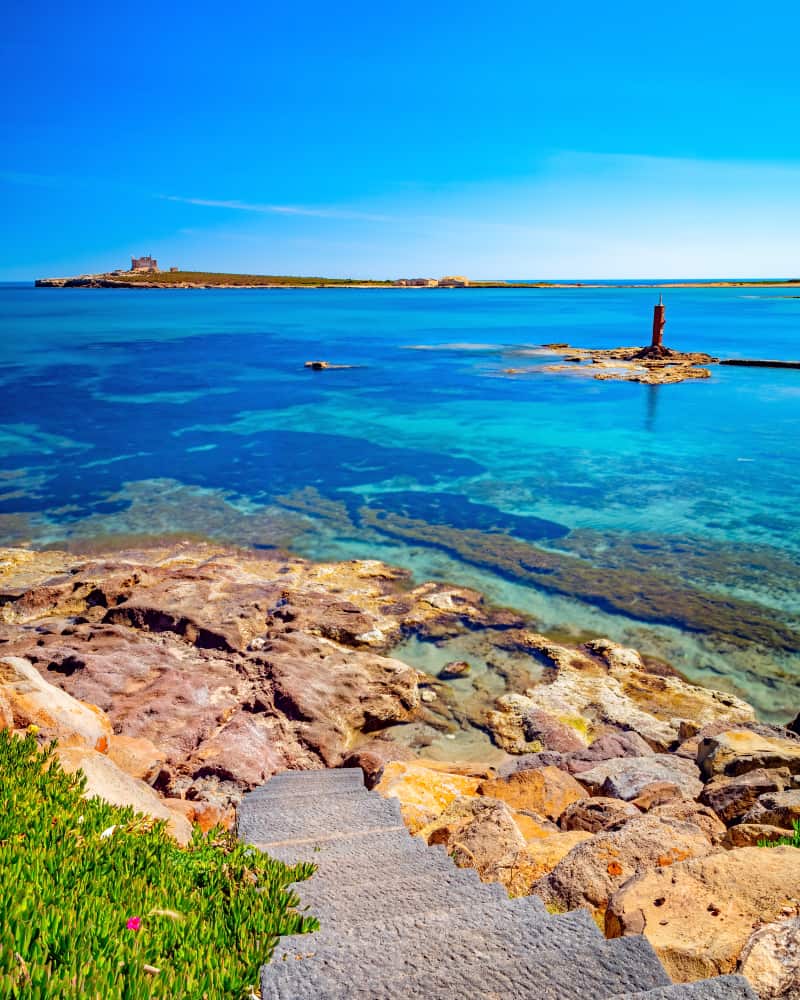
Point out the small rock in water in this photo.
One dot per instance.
(453, 670)
(427, 695)
(317, 365)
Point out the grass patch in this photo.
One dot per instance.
(93, 915)
(792, 840)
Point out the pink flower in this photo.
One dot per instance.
(133, 924)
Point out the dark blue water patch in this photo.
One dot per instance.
(260, 466)
(460, 512)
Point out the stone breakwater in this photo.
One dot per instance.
(179, 677)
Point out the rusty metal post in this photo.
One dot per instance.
(659, 320)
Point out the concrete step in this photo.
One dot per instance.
(264, 821)
(461, 952)
(362, 905)
(378, 848)
(333, 781)
(722, 988)
(357, 859)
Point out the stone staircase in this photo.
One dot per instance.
(399, 921)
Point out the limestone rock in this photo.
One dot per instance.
(612, 744)
(31, 700)
(657, 793)
(136, 756)
(771, 960)
(626, 777)
(373, 756)
(521, 871)
(731, 797)
(530, 761)
(597, 814)
(479, 833)
(590, 874)
(454, 670)
(737, 751)
(541, 727)
(700, 913)
(777, 809)
(751, 835)
(545, 790)
(686, 811)
(206, 815)
(534, 827)
(424, 793)
(608, 686)
(107, 781)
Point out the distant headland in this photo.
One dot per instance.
(145, 273)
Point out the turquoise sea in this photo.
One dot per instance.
(666, 517)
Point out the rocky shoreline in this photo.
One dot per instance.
(628, 364)
(180, 676)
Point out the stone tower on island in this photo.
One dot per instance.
(144, 264)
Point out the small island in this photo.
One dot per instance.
(144, 272)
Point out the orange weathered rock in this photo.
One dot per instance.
(544, 790)
(424, 793)
(591, 873)
(30, 700)
(699, 913)
(107, 781)
(137, 756)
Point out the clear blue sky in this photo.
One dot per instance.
(516, 139)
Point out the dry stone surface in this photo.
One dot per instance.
(398, 919)
(699, 914)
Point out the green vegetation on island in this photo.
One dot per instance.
(213, 278)
(99, 902)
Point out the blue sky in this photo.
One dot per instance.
(522, 140)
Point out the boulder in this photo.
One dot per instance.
(478, 833)
(30, 700)
(519, 725)
(530, 761)
(699, 913)
(656, 794)
(730, 798)
(521, 871)
(771, 960)
(597, 814)
(686, 811)
(612, 744)
(591, 873)
(424, 793)
(751, 835)
(373, 756)
(206, 815)
(534, 827)
(136, 756)
(545, 790)
(777, 809)
(107, 781)
(541, 727)
(626, 777)
(737, 751)
(454, 670)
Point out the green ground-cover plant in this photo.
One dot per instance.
(792, 840)
(96, 915)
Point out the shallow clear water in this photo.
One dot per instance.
(664, 516)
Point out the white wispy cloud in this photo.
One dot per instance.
(319, 212)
